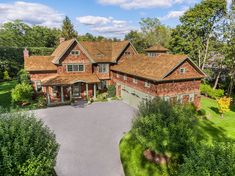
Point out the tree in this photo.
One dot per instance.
(198, 26)
(165, 129)
(203, 160)
(152, 33)
(27, 147)
(68, 31)
(6, 76)
(22, 93)
(23, 76)
(224, 105)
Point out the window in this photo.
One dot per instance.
(127, 53)
(117, 75)
(191, 97)
(55, 90)
(102, 85)
(103, 68)
(152, 54)
(182, 70)
(180, 98)
(166, 98)
(100, 55)
(125, 77)
(135, 80)
(38, 86)
(75, 52)
(147, 84)
(75, 68)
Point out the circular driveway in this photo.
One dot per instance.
(89, 137)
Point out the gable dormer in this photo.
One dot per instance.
(156, 50)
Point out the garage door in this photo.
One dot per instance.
(132, 96)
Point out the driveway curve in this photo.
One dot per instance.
(89, 137)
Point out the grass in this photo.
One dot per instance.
(213, 128)
(5, 98)
(5, 93)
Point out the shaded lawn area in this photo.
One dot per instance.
(5, 93)
(213, 128)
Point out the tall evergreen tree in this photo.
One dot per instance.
(68, 31)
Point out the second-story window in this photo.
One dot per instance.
(127, 53)
(125, 77)
(182, 70)
(75, 68)
(75, 52)
(103, 68)
(147, 84)
(135, 80)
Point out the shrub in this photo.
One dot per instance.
(207, 90)
(27, 147)
(22, 93)
(202, 112)
(224, 104)
(111, 91)
(23, 76)
(6, 76)
(204, 160)
(165, 128)
(41, 101)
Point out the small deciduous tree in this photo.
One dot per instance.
(6, 76)
(224, 105)
(22, 93)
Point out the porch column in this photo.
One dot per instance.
(70, 93)
(48, 96)
(62, 94)
(94, 91)
(87, 90)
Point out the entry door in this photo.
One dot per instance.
(77, 89)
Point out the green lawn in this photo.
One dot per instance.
(213, 128)
(5, 93)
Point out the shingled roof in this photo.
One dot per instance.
(68, 79)
(104, 51)
(158, 48)
(151, 68)
(39, 63)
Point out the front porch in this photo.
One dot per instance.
(65, 94)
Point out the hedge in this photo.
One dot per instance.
(207, 90)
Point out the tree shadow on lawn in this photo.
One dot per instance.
(5, 100)
(216, 110)
(216, 133)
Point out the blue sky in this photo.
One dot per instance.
(111, 18)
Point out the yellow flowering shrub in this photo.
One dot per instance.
(224, 104)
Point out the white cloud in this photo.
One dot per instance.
(173, 14)
(105, 25)
(31, 13)
(141, 4)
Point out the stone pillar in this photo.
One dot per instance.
(87, 91)
(62, 94)
(94, 90)
(48, 96)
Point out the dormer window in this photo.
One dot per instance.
(75, 52)
(152, 54)
(100, 55)
(182, 70)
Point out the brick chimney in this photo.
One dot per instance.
(62, 39)
(26, 53)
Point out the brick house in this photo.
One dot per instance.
(76, 70)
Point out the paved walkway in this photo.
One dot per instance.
(89, 137)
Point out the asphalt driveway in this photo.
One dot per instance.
(89, 137)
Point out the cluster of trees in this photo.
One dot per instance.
(170, 130)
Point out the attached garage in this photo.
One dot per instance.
(132, 96)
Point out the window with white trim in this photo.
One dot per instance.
(38, 86)
(152, 54)
(191, 97)
(147, 84)
(166, 98)
(75, 52)
(75, 67)
(134, 80)
(182, 70)
(127, 53)
(117, 75)
(125, 77)
(180, 98)
(103, 68)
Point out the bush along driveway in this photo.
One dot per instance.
(89, 137)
